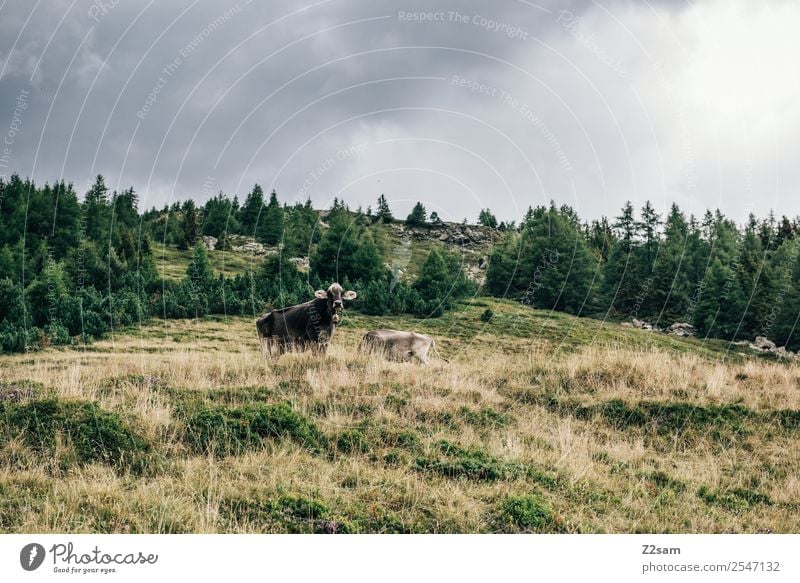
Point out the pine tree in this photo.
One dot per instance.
(418, 216)
(668, 296)
(601, 238)
(781, 323)
(720, 308)
(346, 251)
(189, 225)
(487, 219)
(251, 210)
(270, 226)
(504, 261)
(754, 280)
(627, 226)
(97, 211)
(648, 227)
(219, 217)
(383, 212)
(65, 220)
(301, 231)
(557, 268)
(622, 274)
(433, 285)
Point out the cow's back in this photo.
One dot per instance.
(286, 323)
(397, 344)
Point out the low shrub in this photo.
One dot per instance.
(95, 435)
(525, 513)
(456, 462)
(232, 430)
(736, 500)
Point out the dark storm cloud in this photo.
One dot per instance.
(465, 105)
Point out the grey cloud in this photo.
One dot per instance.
(574, 105)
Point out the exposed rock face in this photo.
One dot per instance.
(681, 329)
(763, 344)
(210, 242)
(642, 325)
(302, 263)
(469, 235)
(473, 241)
(246, 245)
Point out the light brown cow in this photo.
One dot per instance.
(400, 345)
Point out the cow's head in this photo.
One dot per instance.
(335, 296)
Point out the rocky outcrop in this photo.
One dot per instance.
(210, 242)
(302, 263)
(764, 344)
(642, 325)
(246, 246)
(474, 242)
(454, 234)
(681, 329)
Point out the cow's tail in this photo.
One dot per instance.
(436, 351)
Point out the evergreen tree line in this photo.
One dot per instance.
(72, 271)
(730, 282)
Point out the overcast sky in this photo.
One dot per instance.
(504, 104)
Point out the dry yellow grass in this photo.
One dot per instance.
(584, 423)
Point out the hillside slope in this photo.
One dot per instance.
(541, 423)
(405, 250)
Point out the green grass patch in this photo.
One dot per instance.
(663, 481)
(18, 391)
(485, 418)
(455, 462)
(526, 514)
(232, 430)
(290, 513)
(736, 500)
(89, 433)
(351, 441)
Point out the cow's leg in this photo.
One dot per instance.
(268, 346)
(422, 355)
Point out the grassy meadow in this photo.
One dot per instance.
(541, 422)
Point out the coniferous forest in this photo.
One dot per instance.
(73, 268)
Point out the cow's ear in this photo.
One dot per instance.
(350, 295)
(321, 294)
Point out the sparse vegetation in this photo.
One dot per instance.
(541, 422)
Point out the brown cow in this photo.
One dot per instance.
(400, 345)
(307, 325)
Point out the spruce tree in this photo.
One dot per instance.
(648, 226)
(719, 311)
(270, 226)
(504, 262)
(97, 211)
(668, 297)
(250, 212)
(622, 274)
(383, 213)
(487, 219)
(557, 268)
(418, 216)
(754, 280)
(189, 225)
